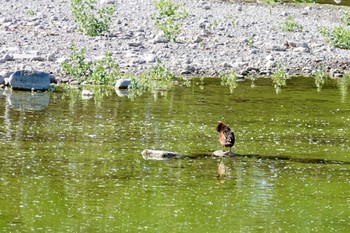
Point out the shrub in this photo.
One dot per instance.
(92, 20)
(339, 36)
(168, 18)
(158, 78)
(279, 77)
(229, 80)
(100, 72)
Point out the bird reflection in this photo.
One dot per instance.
(221, 170)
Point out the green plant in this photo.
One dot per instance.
(92, 20)
(290, 25)
(230, 80)
(320, 77)
(168, 18)
(339, 36)
(76, 66)
(279, 77)
(250, 41)
(158, 78)
(104, 71)
(99, 72)
(31, 12)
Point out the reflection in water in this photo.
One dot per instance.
(27, 101)
(343, 85)
(221, 170)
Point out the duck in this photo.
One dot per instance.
(226, 136)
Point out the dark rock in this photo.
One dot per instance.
(122, 83)
(159, 154)
(30, 80)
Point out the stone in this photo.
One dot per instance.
(30, 80)
(122, 83)
(159, 154)
(2, 80)
(108, 1)
(222, 153)
(87, 93)
(150, 58)
(7, 57)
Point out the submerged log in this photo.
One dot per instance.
(159, 154)
(222, 153)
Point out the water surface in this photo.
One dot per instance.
(74, 165)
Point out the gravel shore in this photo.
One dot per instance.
(216, 37)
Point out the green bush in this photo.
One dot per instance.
(158, 78)
(229, 80)
(339, 36)
(279, 77)
(92, 20)
(168, 18)
(99, 72)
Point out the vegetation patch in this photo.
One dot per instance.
(100, 72)
(339, 36)
(93, 20)
(290, 25)
(168, 18)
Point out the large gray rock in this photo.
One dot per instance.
(159, 154)
(30, 80)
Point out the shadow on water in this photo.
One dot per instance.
(271, 157)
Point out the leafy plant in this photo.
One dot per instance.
(320, 77)
(76, 66)
(31, 12)
(279, 77)
(158, 78)
(250, 41)
(168, 18)
(229, 80)
(100, 72)
(105, 71)
(339, 36)
(290, 25)
(92, 20)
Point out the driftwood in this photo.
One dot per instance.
(159, 154)
(222, 153)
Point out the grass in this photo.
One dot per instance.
(92, 19)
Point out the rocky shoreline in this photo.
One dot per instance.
(216, 37)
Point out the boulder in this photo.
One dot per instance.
(30, 80)
(159, 154)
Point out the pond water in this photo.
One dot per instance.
(74, 165)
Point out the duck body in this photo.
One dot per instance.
(226, 136)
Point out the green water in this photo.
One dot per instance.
(74, 165)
